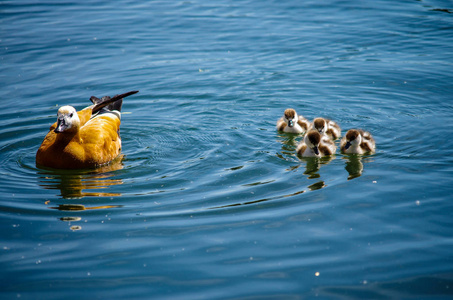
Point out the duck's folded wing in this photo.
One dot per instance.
(101, 139)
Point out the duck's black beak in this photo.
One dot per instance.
(61, 125)
(290, 123)
(315, 149)
(348, 144)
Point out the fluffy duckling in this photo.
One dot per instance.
(84, 139)
(314, 145)
(326, 128)
(292, 123)
(357, 141)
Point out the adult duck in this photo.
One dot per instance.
(85, 139)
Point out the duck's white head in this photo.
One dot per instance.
(353, 138)
(312, 140)
(320, 125)
(290, 116)
(67, 119)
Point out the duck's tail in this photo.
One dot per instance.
(113, 103)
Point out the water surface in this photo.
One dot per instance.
(209, 201)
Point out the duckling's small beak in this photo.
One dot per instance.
(315, 149)
(348, 144)
(61, 125)
(290, 123)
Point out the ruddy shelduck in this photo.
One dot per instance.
(327, 128)
(292, 122)
(357, 141)
(313, 145)
(85, 139)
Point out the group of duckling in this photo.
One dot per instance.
(320, 136)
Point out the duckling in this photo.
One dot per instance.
(357, 141)
(291, 122)
(85, 139)
(327, 128)
(314, 145)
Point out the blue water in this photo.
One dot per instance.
(209, 201)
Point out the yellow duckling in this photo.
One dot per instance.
(357, 141)
(314, 145)
(292, 123)
(327, 128)
(85, 139)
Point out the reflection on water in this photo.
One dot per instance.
(72, 219)
(78, 207)
(354, 165)
(75, 208)
(313, 164)
(72, 184)
(259, 200)
(317, 186)
(289, 143)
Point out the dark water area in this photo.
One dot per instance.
(208, 200)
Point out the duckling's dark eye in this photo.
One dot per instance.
(70, 115)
